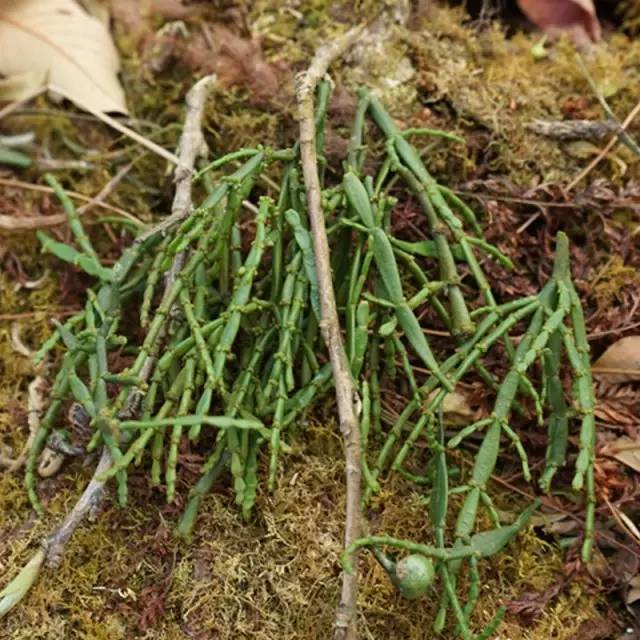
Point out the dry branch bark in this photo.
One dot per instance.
(191, 145)
(306, 82)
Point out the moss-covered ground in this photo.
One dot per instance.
(277, 577)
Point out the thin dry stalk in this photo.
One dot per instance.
(612, 143)
(130, 133)
(29, 223)
(190, 147)
(306, 82)
(108, 188)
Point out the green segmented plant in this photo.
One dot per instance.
(228, 355)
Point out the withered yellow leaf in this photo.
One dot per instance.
(72, 49)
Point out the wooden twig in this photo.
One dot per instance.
(191, 147)
(306, 82)
(612, 143)
(53, 547)
(574, 129)
(89, 502)
(27, 223)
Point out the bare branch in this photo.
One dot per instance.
(190, 147)
(306, 83)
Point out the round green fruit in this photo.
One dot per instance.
(414, 575)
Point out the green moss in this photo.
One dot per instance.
(608, 281)
(486, 79)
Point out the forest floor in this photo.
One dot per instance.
(125, 575)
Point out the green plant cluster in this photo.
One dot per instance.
(226, 352)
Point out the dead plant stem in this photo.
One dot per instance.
(612, 143)
(190, 147)
(306, 82)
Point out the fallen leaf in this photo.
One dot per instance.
(625, 450)
(558, 524)
(620, 362)
(19, 85)
(531, 604)
(576, 17)
(60, 40)
(601, 628)
(97, 10)
(455, 407)
(633, 594)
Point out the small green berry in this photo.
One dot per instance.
(414, 575)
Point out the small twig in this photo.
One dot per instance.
(11, 223)
(108, 188)
(89, 501)
(574, 129)
(600, 334)
(190, 147)
(118, 126)
(612, 143)
(306, 83)
(56, 313)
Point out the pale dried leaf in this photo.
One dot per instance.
(21, 85)
(633, 594)
(456, 403)
(554, 523)
(73, 49)
(455, 407)
(97, 10)
(622, 359)
(576, 17)
(627, 451)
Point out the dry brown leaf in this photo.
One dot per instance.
(455, 407)
(576, 17)
(74, 49)
(627, 451)
(621, 361)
